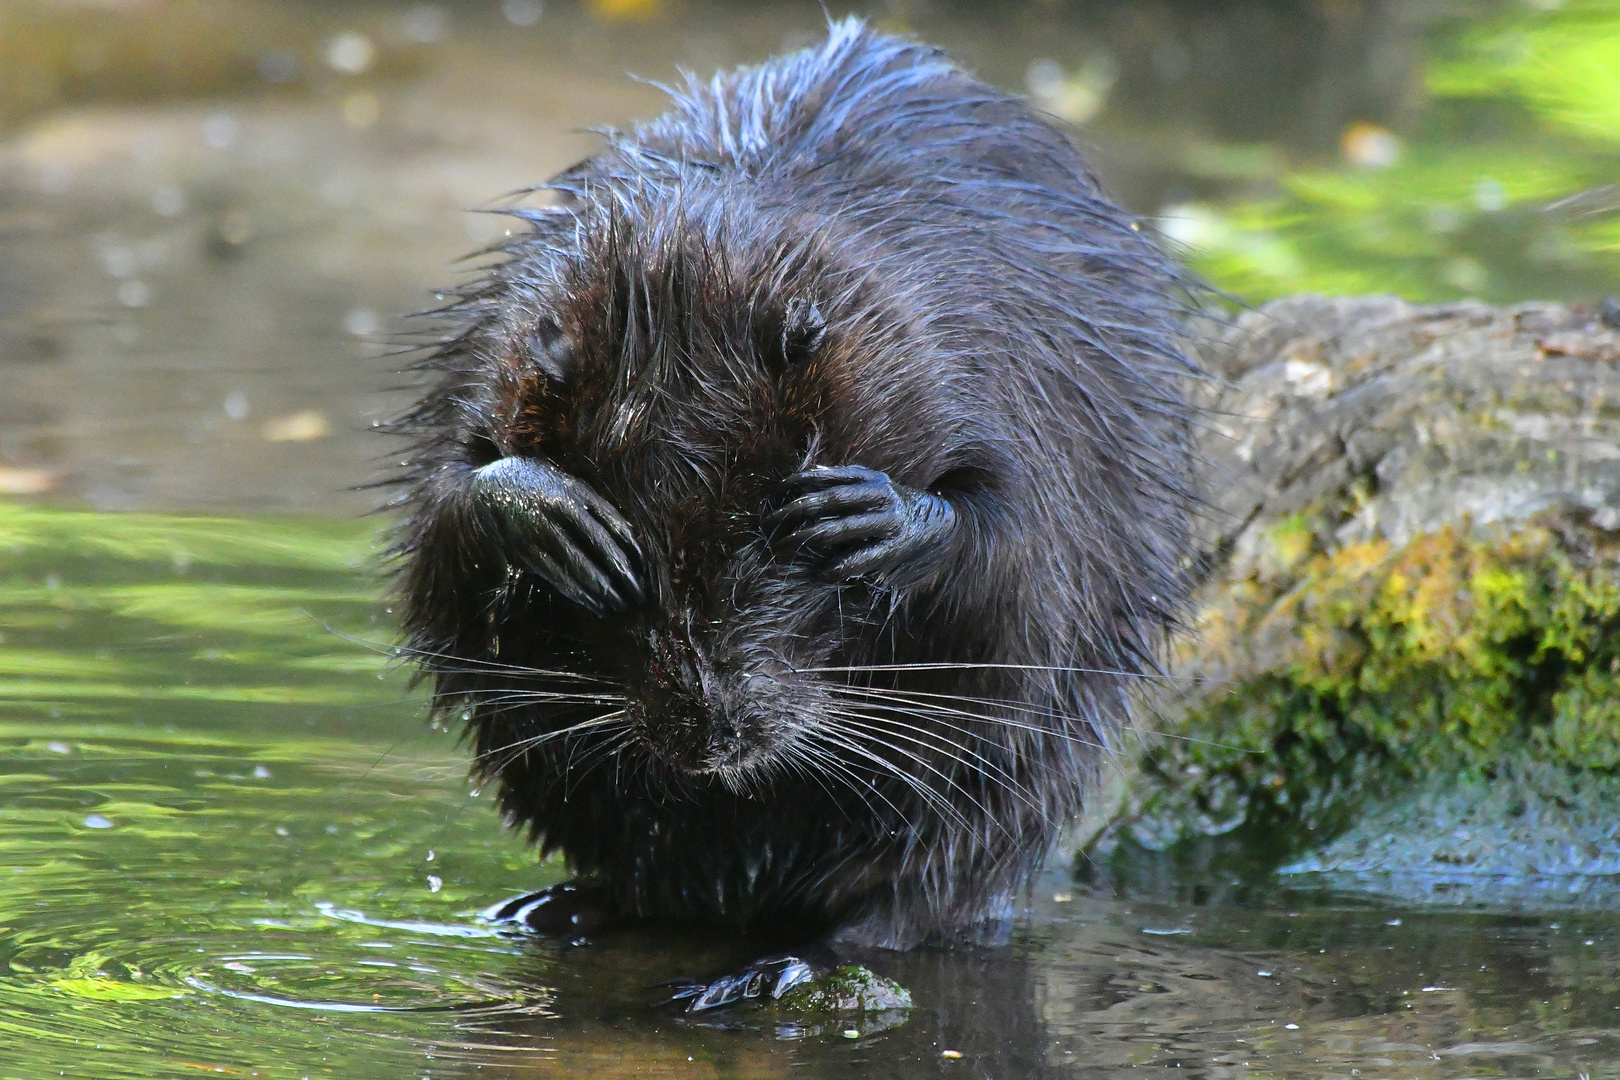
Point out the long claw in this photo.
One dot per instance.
(556, 527)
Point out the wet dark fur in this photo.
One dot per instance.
(988, 327)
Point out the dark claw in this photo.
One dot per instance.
(554, 526)
(854, 521)
(772, 977)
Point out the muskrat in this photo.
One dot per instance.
(796, 499)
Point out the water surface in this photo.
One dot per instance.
(229, 841)
(232, 843)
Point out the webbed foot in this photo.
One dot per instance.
(855, 522)
(770, 977)
(568, 910)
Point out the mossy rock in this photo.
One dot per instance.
(1416, 574)
(849, 989)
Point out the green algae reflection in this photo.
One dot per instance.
(1501, 185)
(224, 821)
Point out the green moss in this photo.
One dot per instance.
(847, 989)
(1371, 664)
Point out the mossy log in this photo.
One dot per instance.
(1412, 577)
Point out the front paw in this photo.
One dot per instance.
(554, 526)
(852, 522)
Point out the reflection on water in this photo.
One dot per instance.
(231, 844)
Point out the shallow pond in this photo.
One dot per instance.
(232, 844)
(229, 841)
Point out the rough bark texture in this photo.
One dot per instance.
(1412, 557)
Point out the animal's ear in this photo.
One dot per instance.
(550, 349)
(803, 330)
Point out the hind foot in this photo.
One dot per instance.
(770, 977)
(569, 910)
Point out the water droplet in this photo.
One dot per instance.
(434, 883)
(96, 821)
(134, 293)
(350, 53)
(169, 200)
(523, 12)
(362, 322)
(260, 772)
(219, 130)
(425, 23)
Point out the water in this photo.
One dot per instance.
(229, 841)
(232, 843)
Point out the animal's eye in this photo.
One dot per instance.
(481, 449)
(803, 330)
(550, 350)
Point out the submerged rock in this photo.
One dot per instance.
(1528, 833)
(846, 989)
(1412, 571)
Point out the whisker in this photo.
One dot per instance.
(822, 758)
(930, 711)
(522, 746)
(937, 799)
(474, 665)
(835, 743)
(1006, 781)
(951, 666)
(1005, 703)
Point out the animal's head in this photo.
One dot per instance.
(584, 557)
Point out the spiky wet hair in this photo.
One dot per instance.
(854, 255)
